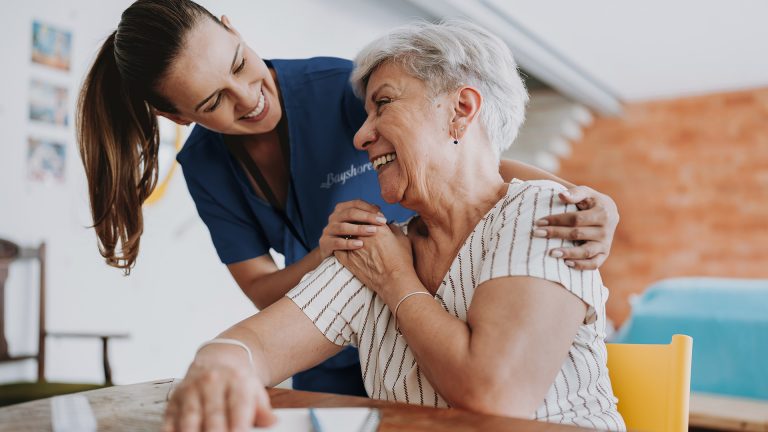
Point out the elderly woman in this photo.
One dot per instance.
(461, 306)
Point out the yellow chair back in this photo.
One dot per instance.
(652, 383)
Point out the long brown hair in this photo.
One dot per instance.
(116, 126)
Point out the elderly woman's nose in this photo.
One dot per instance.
(365, 136)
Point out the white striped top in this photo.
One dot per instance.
(501, 245)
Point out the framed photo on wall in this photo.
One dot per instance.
(51, 46)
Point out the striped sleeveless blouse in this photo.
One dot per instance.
(501, 245)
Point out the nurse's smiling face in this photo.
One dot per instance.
(219, 82)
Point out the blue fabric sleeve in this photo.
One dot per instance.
(236, 234)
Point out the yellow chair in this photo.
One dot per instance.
(652, 383)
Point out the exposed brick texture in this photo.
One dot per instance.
(690, 177)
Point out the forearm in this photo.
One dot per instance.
(282, 340)
(440, 342)
(271, 287)
(510, 169)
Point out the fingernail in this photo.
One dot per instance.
(569, 263)
(539, 233)
(380, 214)
(357, 243)
(370, 229)
(556, 253)
(542, 222)
(381, 220)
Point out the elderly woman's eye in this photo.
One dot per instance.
(381, 102)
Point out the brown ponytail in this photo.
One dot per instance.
(117, 130)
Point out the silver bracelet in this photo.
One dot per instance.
(235, 342)
(405, 297)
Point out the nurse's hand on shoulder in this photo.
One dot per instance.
(348, 224)
(591, 228)
(221, 392)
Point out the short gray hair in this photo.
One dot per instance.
(448, 55)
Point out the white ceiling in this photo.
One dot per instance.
(653, 49)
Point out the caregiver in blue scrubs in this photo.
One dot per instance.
(270, 163)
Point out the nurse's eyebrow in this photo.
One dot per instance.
(204, 101)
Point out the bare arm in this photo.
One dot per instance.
(221, 388)
(264, 284)
(283, 341)
(506, 356)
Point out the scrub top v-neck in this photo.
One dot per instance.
(323, 115)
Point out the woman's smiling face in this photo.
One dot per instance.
(405, 133)
(219, 82)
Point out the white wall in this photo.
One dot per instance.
(654, 49)
(179, 294)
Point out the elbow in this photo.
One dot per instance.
(260, 298)
(494, 396)
(259, 302)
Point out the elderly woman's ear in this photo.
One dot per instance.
(466, 106)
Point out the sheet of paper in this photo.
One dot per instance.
(72, 413)
(289, 420)
(329, 419)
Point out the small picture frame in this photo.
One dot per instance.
(51, 46)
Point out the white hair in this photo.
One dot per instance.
(448, 55)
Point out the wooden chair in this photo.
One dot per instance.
(22, 392)
(652, 383)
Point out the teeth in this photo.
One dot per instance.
(259, 108)
(383, 160)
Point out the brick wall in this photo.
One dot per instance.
(690, 177)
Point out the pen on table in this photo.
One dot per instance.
(315, 422)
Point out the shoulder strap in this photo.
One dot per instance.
(240, 153)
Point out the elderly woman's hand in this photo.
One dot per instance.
(592, 228)
(349, 222)
(384, 255)
(221, 392)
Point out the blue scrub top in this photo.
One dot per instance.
(323, 115)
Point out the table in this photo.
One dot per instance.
(140, 407)
(728, 413)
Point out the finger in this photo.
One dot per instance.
(345, 244)
(573, 234)
(239, 405)
(363, 205)
(356, 215)
(588, 264)
(585, 251)
(169, 418)
(593, 217)
(264, 414)
(214, 409)
(577, 194)
(341, 229)
(358, 204)
(190, 419)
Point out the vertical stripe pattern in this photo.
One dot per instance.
(501, 245)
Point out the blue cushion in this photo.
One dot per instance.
(728, 320)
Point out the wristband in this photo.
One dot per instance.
(234, 342)
(405, 297)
